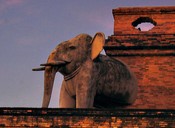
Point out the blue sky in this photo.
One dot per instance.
(30, 29)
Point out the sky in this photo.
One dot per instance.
(30, 29)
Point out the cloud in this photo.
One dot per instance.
(101, 21)
(7, 21)
(98, 18)
(14, 2)
(145, 26)
(5, 4)
(2, 21)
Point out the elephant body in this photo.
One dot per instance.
(90, 79)
(112, 84)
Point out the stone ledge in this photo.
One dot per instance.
(158, 113)
(86, 118)
(157, 41)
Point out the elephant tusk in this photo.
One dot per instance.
(56, 63)
(38, 69)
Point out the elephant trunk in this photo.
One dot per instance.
(50, 68)
(49, 76)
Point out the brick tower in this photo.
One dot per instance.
(149, 53)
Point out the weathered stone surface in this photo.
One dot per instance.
(150, 54)
(89, 81)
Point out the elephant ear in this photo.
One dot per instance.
(97, 44)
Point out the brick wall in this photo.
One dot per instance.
(150, 54)
(156, 78)
(162, 16)
(86, 118)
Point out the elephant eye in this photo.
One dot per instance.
(72, 47)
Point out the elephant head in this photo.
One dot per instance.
(67, 57)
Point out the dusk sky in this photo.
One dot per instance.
(30, 29)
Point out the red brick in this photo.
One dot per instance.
(149, 54)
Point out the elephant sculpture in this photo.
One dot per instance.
(90, 79)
